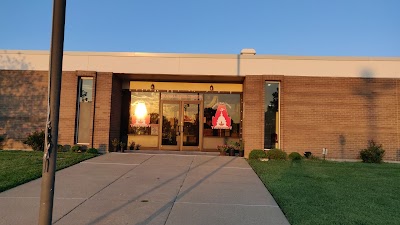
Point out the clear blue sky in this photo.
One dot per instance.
(279, 27)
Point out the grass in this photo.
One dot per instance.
(19, 167)
(325, 192)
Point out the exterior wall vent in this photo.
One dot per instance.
(248, 51)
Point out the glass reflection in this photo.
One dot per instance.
(191, 124)
(211, 103)
(170, 124)
(144, 113)
(271, 115)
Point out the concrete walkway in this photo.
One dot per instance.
(120, 188)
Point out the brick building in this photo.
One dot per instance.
(198, 101)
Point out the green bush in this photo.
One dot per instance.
(75, 148)
(257, 153)
(60, 148)
(295, 156)
(67, 148)
(2, 140)
(92, 151)
(276, 154)
(373, 154)
(35, 140)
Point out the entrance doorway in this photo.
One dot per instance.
(180, 125)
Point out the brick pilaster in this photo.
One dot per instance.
(101, 136)
(253, 113)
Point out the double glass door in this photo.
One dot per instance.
(180, 125)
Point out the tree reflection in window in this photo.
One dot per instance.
(210, 101)
(151, 100)
(271, 115)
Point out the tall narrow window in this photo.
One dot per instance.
(271, 115)
(84, 109)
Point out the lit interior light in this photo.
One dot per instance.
(141, 110)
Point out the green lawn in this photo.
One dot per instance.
(325, 192)
(18, 167)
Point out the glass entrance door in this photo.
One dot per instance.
(171, 121)
(180, 125)
(191, 125)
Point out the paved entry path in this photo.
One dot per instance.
(128, 188)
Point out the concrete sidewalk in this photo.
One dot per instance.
(120, 188)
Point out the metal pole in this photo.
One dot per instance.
(51, 137)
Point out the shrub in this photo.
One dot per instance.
(132, 145)
(82, 148)
(92, 151)
(60, 148)
(276, 154)
(115, 143)
(75, 148)
(373, 154)
(222, 149)
(295, 156)
(2, 140)
(67, 148)
(35, 140)
(257, 153)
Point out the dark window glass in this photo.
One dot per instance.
(271, 113)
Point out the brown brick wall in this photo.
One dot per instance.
(340, 114)
(23, 105)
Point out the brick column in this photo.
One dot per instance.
(253, 113)
(66, 127)
(101, 129)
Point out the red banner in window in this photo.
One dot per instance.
(221, 120)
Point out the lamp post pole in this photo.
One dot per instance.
(53, 108)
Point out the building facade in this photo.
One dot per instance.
(195, 102)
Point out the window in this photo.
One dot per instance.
(84, 109)
(144, 113)
(232, 104)
(271, 115)
(144, 119)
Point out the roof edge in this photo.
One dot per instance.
(196, 55)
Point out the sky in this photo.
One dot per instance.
(273, 27)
